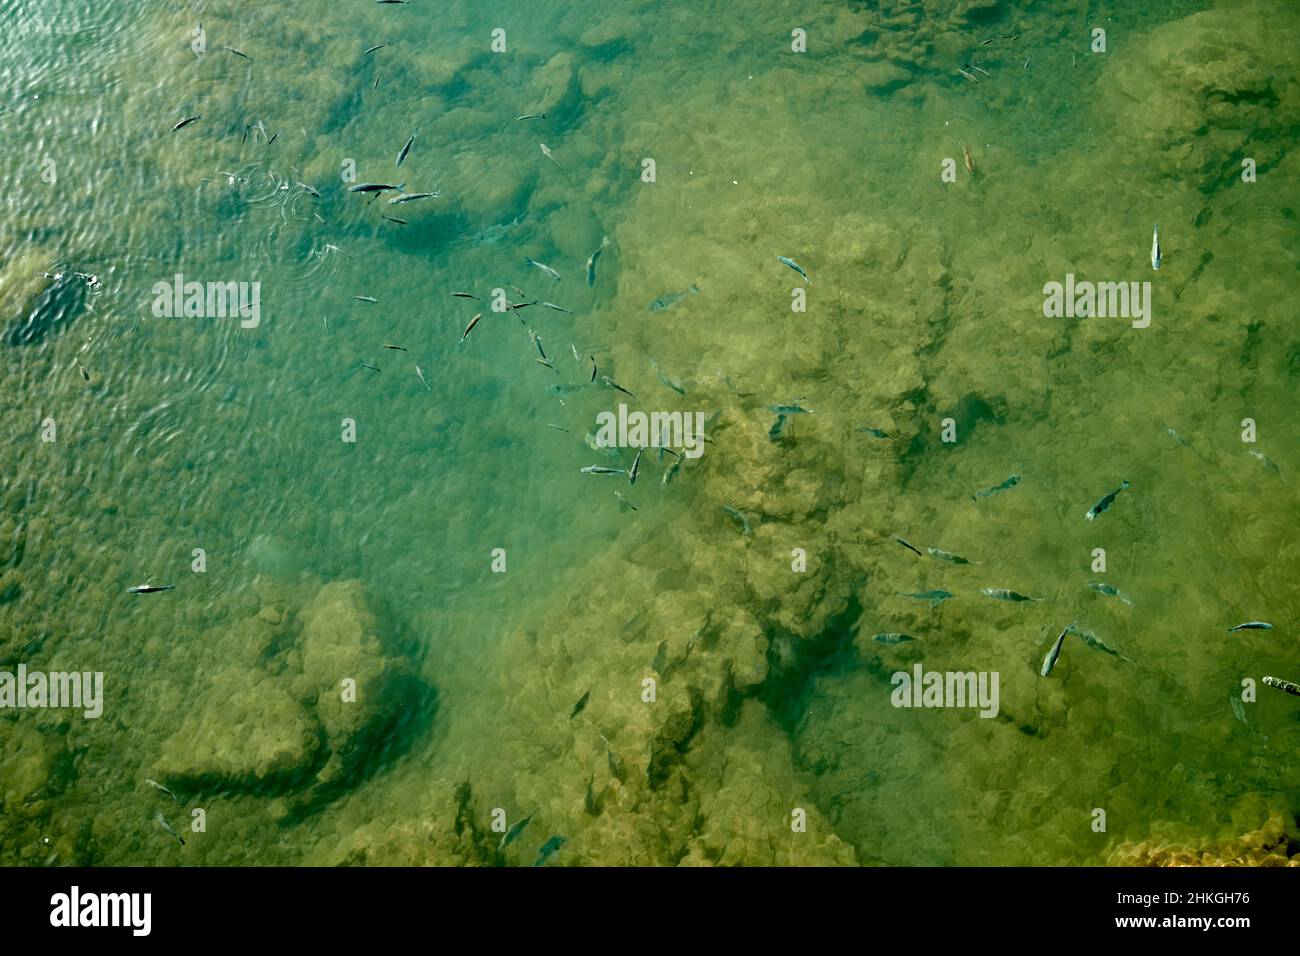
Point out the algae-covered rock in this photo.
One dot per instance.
(1270, 844)
(27, 762)
(356, 689)
(245, 732)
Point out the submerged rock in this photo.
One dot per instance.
(246, 732)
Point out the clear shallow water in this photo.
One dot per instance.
(925, 304)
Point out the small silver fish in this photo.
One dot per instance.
(406, 149)
(994, 489)
(947, 556)
(675, 386)
(547, 153)
(366, 298)
(937, 596)
(168, 827)
(511, 835)
(1110, 590)
(1050, 660)
(150, 589)
(669, 299)
(1285, 686)
(158, 786)
(1002, 594)
(636, 467)
(412, 197)
(796, 267)
(375, 188)
(591, 263)
(790, 409)
(1105, 503)
(874, 432)
(545, 268)
(1096, 643)
(185, 122)
(739, 518)
(623, 502)
(1252, 626)
(528, 116)
(420, 372)
(602, 470)
(550, 848)
(670, 473)
(1155, 247)
(891, 639)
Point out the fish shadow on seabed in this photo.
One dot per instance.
(59, 305)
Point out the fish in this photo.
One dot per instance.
(472, 322)
(623, 501)
(1002, 594)
(511, 835)
(675, 386)
(549, 849)
(891, 639)
(150, 588)
(994, 489)
(375, 187)
(947, 556)
(162, 820)
(1105, 503)
(615, 764)
(537, 341)
(547, 153)
(1096, 644)
(374, 48)
(1155, 247)
(602, 470)
(671, 298)
(1285, 686)
(558, 428)
(936, 596)
(528, 116)
(82, 369)
(670, 473)
(406, 149)
(231, 49)
(311, 190)
(610, 383)
(970, 163)
(273, 138)
(907, 546)
(1269, 462)
(593, 371)
(580, 705)
(545, 268)
(591, 263)
(412, 197)
(1109, 589)
(1238, 708)
(636, 467)
(791, 409)
(552, 305)
(463, 295)
(158, 786)
(396, 348)
(420, 372)
(186, 122)
(366, 298)
(969, 76)
(373, 368)
(739, 518)
(1050, 660)
(1252, 626)
(774, 433)
(977, 69)
(400, 222)
(784, 260)
(873, 432)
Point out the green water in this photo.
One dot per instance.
(371, 561)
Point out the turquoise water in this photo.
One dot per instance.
(372, 561)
